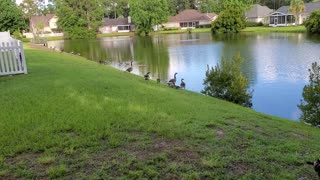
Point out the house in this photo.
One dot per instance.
(44, 24)
(191, 18)
(283, 17)
(117, 25)
(258, 14)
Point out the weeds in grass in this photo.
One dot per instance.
(59, 171)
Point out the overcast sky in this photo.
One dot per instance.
(18, 1)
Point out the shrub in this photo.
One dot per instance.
(310, 106)
(79, 33)
(313, 23)
(253, 24)
(170, 28)
(16, 34)
(231, 20)
(225, 81)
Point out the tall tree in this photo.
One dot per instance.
(310, 106)
(30, 8)
(79, 18)
(116, 8)
(11, 17)
(296, 7)
(148, 13)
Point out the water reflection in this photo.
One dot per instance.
(276, 64)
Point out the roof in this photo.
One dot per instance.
(308, 8)
(192, 15)
(116, 22)
(258, 11)
(41, 19)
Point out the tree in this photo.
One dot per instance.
(296, 7)
(225, 81)
(313, 22)
(231, 20)
(30, 8)
(11, 17)
(116, 8)
(310, 106)
(148, 13)
(79, 18)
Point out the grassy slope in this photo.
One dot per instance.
(75, 118)
(298, 29)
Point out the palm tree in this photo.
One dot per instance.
(296, 7)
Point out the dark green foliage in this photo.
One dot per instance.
(79, 33)
(310, 106)
(148, 13)
(313, 23)
(225, 81)
(11, 17)
(253, 24)
(79, 19)
(231, 20)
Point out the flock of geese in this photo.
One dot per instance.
(171, 83)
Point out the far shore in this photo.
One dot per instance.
(258, 29)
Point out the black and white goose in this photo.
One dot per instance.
(147, 76)
(130, 68)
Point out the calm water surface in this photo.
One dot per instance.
(275, 64)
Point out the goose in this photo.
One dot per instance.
(130, 68)
(158, 80)
(147, 76)
(316, 166)
(182, 84)
(173, 81)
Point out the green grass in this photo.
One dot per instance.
(77, 119)
(180, 31)
(116, 34)
(296, 29)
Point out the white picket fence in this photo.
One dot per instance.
(12, 59)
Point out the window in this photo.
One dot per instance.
(123, 28)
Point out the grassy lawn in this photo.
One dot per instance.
(297, 29)
(116, 34)
(179, 31)
(74, 118)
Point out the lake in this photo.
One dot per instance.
(276, 64)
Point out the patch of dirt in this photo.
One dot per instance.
(238, 168)
(28, 161)
(220, 133)
(298, 136)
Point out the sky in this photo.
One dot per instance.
(19, 1)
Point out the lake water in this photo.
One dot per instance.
(276, 64)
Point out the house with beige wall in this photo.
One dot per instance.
(258, 14)
(191, 18)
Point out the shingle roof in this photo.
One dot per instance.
(308, 8)
(192, 15)
(258, 11)
(115, 22)
(41, 19)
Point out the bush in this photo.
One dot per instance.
(253, 24)
(225, 81)
(79, 33)
(231, 20)
(313, 23)
(16, 34)
(310, 107)
(170, 28)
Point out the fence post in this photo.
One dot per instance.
(23, 58)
